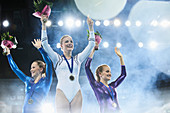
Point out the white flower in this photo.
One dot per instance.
(2, 45)
(14, 46)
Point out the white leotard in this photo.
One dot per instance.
(69, 88)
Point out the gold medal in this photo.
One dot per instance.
(30, 101)
(114, 104)
(71, 77)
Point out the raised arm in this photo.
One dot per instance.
(85, 53)
(123, 70)
(14, 67)
(37, 44)
(87, 66)
(52, 54)
(88, 71)
(93, 50)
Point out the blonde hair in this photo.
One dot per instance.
(61, 40)
(99, 70)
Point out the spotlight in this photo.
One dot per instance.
(140, 44)
(5, 23)
(154, 23)
(106, 22)
(69, 22)
(58, 45)
(117, 22)
(78, 23)
(47, 108)
(153, 44)
(118, 45)
(128, 23)
(60, 23)
(48, 24)
(138, 23)
(105, 44)
(97, 23)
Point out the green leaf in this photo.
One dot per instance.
(40, 4)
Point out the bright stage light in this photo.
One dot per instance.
(106, 22)
(138, 23)
(128, 23)
(69, 22)
(60, 23)
(58, 45)
(97, 23)
(118, 45)
(105, 44)
(140, 44)
(5, 23)
(48, 24)
(117, 22)
(153, 44)
(154, 23)
(78, 23)
(47, 108)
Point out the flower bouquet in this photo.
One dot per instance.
(8, 41)
(98, 38)
(42, 7)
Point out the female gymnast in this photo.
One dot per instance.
(67, 68)
(38, 85)
(104, 92)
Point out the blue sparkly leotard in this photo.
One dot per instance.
(41, 88)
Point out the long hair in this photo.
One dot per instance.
(99, 70)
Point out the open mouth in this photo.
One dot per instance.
(69, 46)
(108, 75)
(32, 72)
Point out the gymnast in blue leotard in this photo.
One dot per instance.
(38, 85)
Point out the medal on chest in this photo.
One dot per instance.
(111, 94)
(114, 104)
(71, 77)
(30, 101)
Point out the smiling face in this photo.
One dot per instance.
(35, 69)
(105, 74)
(67, 43)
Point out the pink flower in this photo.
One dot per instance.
(7, 43)
(46, 11)
(97, 39)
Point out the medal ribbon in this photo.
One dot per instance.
(110, 92)
(33, 87)
(70, 68)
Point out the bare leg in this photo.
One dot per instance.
(76, 103)
(62, 104)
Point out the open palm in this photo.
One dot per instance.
(36, 43)
(117, 51)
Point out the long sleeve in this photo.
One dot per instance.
(53, 55)
(48, 64)
(15, 68)
(86, 52)
(88, 71)
(120, 78)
